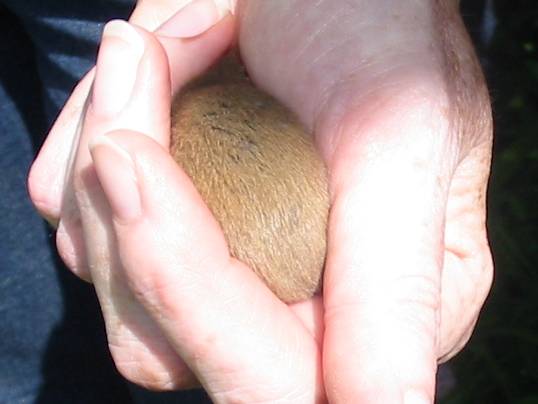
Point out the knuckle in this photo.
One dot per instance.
(156, 381)
(134, 365)
(41, 196)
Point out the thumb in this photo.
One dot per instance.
(236, 336)
(383, 275)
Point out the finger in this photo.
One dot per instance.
(131, 89)
(382, 282)
(198, 14)
(187, 58)
(47, 176)
(127, 107)
(201, 51)
(70, 244)
(239, 339)
(203, 28)
(126, 86)
(468, 265)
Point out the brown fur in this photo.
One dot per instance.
(260, 175)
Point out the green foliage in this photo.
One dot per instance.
(500, 364)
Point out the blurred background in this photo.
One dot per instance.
(500, 364)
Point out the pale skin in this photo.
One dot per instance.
(400, 113)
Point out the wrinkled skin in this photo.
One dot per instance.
(394, 96)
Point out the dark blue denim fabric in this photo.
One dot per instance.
(52, 342)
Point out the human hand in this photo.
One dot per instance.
(201, 310)
(140, 351)
(50, 181)
(393, 92)
(422, 127)
(137, 345)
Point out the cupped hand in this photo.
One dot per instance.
(132, 91)
(58, 182)
(394, 94)
(173, 299)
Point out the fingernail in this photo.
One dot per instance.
(416, 397)
(116, 172)
(195, 18)
(117, 65)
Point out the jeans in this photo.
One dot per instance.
(52, 342)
